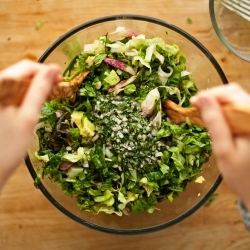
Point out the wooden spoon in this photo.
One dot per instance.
(237, 116)
(12, 91)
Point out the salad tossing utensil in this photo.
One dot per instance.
(12, 91)
(240, 7)
(238, 116)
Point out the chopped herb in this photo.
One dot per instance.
(211, 199)
(39, 24)
(189, 21)
(9, 38)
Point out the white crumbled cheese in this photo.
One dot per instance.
(120, 134)
(139, 126)
(125, 130)
(117, 128)
(158, 154)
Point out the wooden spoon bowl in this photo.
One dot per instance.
(237, 116)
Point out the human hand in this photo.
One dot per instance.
(231, 152)
(17, 123)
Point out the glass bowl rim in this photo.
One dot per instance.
(128, 231)
(220, 35)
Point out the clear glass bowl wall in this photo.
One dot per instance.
(207, 73)
(231, 28)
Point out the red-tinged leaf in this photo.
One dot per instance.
(119, 65)
(131, 33)
(65, 165)
(115, 63)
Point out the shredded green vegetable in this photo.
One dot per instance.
(115, 149)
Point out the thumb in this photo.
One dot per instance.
(39, 90)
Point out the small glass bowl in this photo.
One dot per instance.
(206, 72)
(232, 29)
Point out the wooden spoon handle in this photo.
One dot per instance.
(12, 91)
(237, 116)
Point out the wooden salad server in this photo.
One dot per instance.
(12, 91)
(238, 116)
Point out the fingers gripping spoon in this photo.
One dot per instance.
(12, 91)
(237, 116)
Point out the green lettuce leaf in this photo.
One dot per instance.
(74, 157)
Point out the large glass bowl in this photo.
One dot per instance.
(206, 72)
(232, 29)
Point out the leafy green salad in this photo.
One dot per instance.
(114, 149)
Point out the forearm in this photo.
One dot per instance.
(17, 122)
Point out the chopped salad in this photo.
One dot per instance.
(114, 149)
